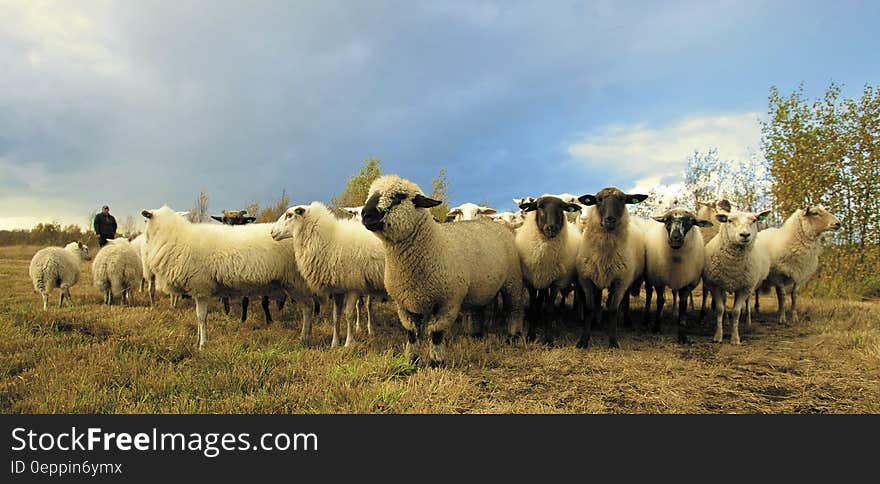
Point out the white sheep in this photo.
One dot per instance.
(355, 212)
(611, 255)
(468, 211)
(707, 211)
(733, 265)
(56, 267)
(210, 260)
(434, 270)
(674, 258)
(338, 258)
(547, 245)
(117, 270)
(512, 219)
(794, 252)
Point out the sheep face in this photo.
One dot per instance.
(550, 214)
(234, 217)
(84, 251)
(740, 228)
(611, 206)
(816, 220)
(395, 208)
(289, 223)
(468, 211)
(679, 222)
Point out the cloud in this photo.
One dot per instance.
(651, 155)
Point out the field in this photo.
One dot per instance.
(91, 358)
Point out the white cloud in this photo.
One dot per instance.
(648, 154)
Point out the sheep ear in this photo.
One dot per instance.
(487, 211)
(762, 216)
(587, 200)
(702, 223)
(660, 218)
(452, 214)
(219, 219)
(724, 205)
(721, 218)
(147, 214)
(809, 211)
(572, 207)
(421, 201)
(528, 206)
(250, 220)
(636, 198)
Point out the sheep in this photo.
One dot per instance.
(338, 258)
(707, 211)
(434, 270)
(733, 265)
(513, 220)
(53, 267)
(468, 211)
(794, 253)
(117, 270)
(210, 260)
(611, 255)
(239, 217)
(674, 257)
(547, 245)
(355, 212)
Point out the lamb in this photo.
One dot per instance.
(468, 211)
(338, 258)
(433, 271)
(794, 252)
(733, 265)
(211, 260)
(547, 245)
(674, 257)
(707, 211)
(53, 267)
(117, 270)
(611, 255)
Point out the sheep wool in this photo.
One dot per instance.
(56, 267)
(547, 262)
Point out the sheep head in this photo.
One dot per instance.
(288, 224)
(468, 211)
(679, 222)
(815, 220)
(550, 213)
(234, 217)
(395, 207)
(740, 228)
(611, 205)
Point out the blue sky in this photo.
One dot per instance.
(137, 104)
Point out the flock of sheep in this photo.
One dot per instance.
(478, 265)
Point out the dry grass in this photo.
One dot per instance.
(91, 358)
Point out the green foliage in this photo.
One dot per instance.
(440, 191)
(46, 234)
(357, 189)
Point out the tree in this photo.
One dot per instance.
(357, 189)
(199, 213)
(440, 191)
(273, 211)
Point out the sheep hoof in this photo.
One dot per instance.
(735, 341)
(583, 343)
(613, 344)
(683, 340)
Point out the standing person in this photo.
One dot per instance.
(105, 226)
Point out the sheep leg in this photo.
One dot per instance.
(306, 333)
(337, 300)
(748, 315)
(152, 288)
(225, 300)
(532, 313)
(794, 315)
(740, 298)
(555, 312)
(265, 304)
(437, 327)
(511, 298)
(61, 299)
(202, 313)
(682, 315)
(616, 294)
(757, 299)
(67, 297)
(691, 297)
(357, 316)
(410, 323)
(646, 312)
(45, 301)
(592, 305)
(674, 299)
(624, 306)
(368, 303)
(718, 298)
(245, 301)
(661, 301)
(780, 301)
(703, 302)
(536, 310)
(280, 303)
(351, 303)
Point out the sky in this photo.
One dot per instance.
(140, 104)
